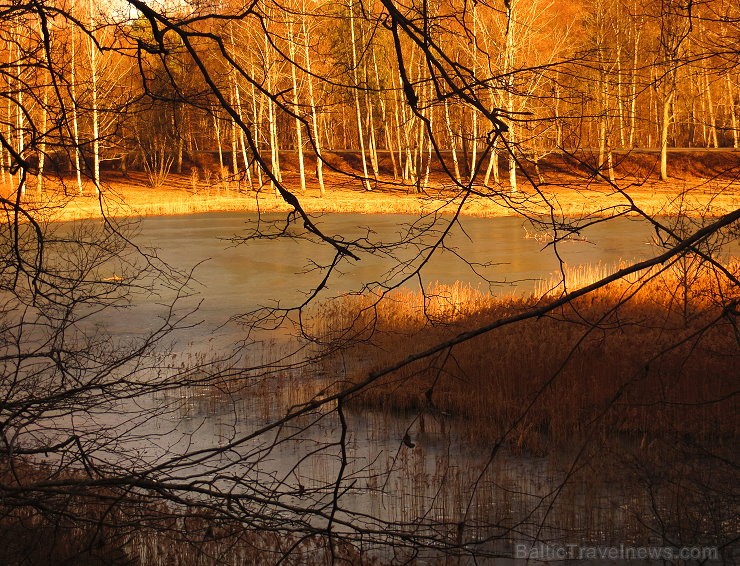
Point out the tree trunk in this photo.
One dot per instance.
(733, 112)
(356, 86)
(710, 110)
(296, 107)
(94, 86)
(474, 117)
(492, 165)
(272, 123)
(384, 119)
(633, 89)
(664, 130)
(509, 67)
(75, 117)
(451, 136)
(257, 121)
(42, 144)
(370, 119)
(217, 129)
(314, 113)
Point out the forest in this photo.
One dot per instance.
(220, 91)
(469, 290)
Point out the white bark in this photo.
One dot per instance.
(733, 111)
(296, 107)
(314, 113)
(451, 136)
(94, 84)
(664, 130)
(712, 116)
(358, 111)
(42, 144)
(508, 69)
(75, 113)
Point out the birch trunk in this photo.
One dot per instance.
(94, 85)
(508, 67)
(664, 130)
(384, 120)
(296, 107)
(314, 113)
(42, 144)
(733, 112)
(712, 115)
(20, 124)
(356, 86)
(451, 136)
(633, 90)
(474, 117)
(75, 117)
(272, 123)
(257, 114)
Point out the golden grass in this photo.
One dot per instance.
(636, 359)
(132, 197)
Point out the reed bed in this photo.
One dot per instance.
(652, 356)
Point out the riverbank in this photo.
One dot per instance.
(132, 197)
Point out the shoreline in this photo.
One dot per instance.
(130, 197)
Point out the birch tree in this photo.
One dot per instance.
(675, 20)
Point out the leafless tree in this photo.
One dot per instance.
(107, 453)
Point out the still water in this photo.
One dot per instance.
(442, 480)
(231, 277)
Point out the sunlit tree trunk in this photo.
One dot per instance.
(666, 117)
(370, 119)
(620, 94)
(7, 177)
(732, 111)
(314, 112)
(633, 86)
(42, 144)
(400, 127)
(75, 112)
(384, 119)
(241, 138)
(217, 130)
(451, 136)
(272, 120)
(714, 141)
(94, 93)
(355, 90)
(492, 165)
(296, 106)
(474, 117)
(675, 27)
(20, 118)
(234, 143)
(508, 68)
(257, 113)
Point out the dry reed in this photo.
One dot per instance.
(635, 359)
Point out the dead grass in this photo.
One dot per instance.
(637, 359)
(565, 195)
(43, 522)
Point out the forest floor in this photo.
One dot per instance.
(699, 187)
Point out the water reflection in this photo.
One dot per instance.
(492, 253)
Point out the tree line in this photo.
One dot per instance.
(93, 461)
(211, 88)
